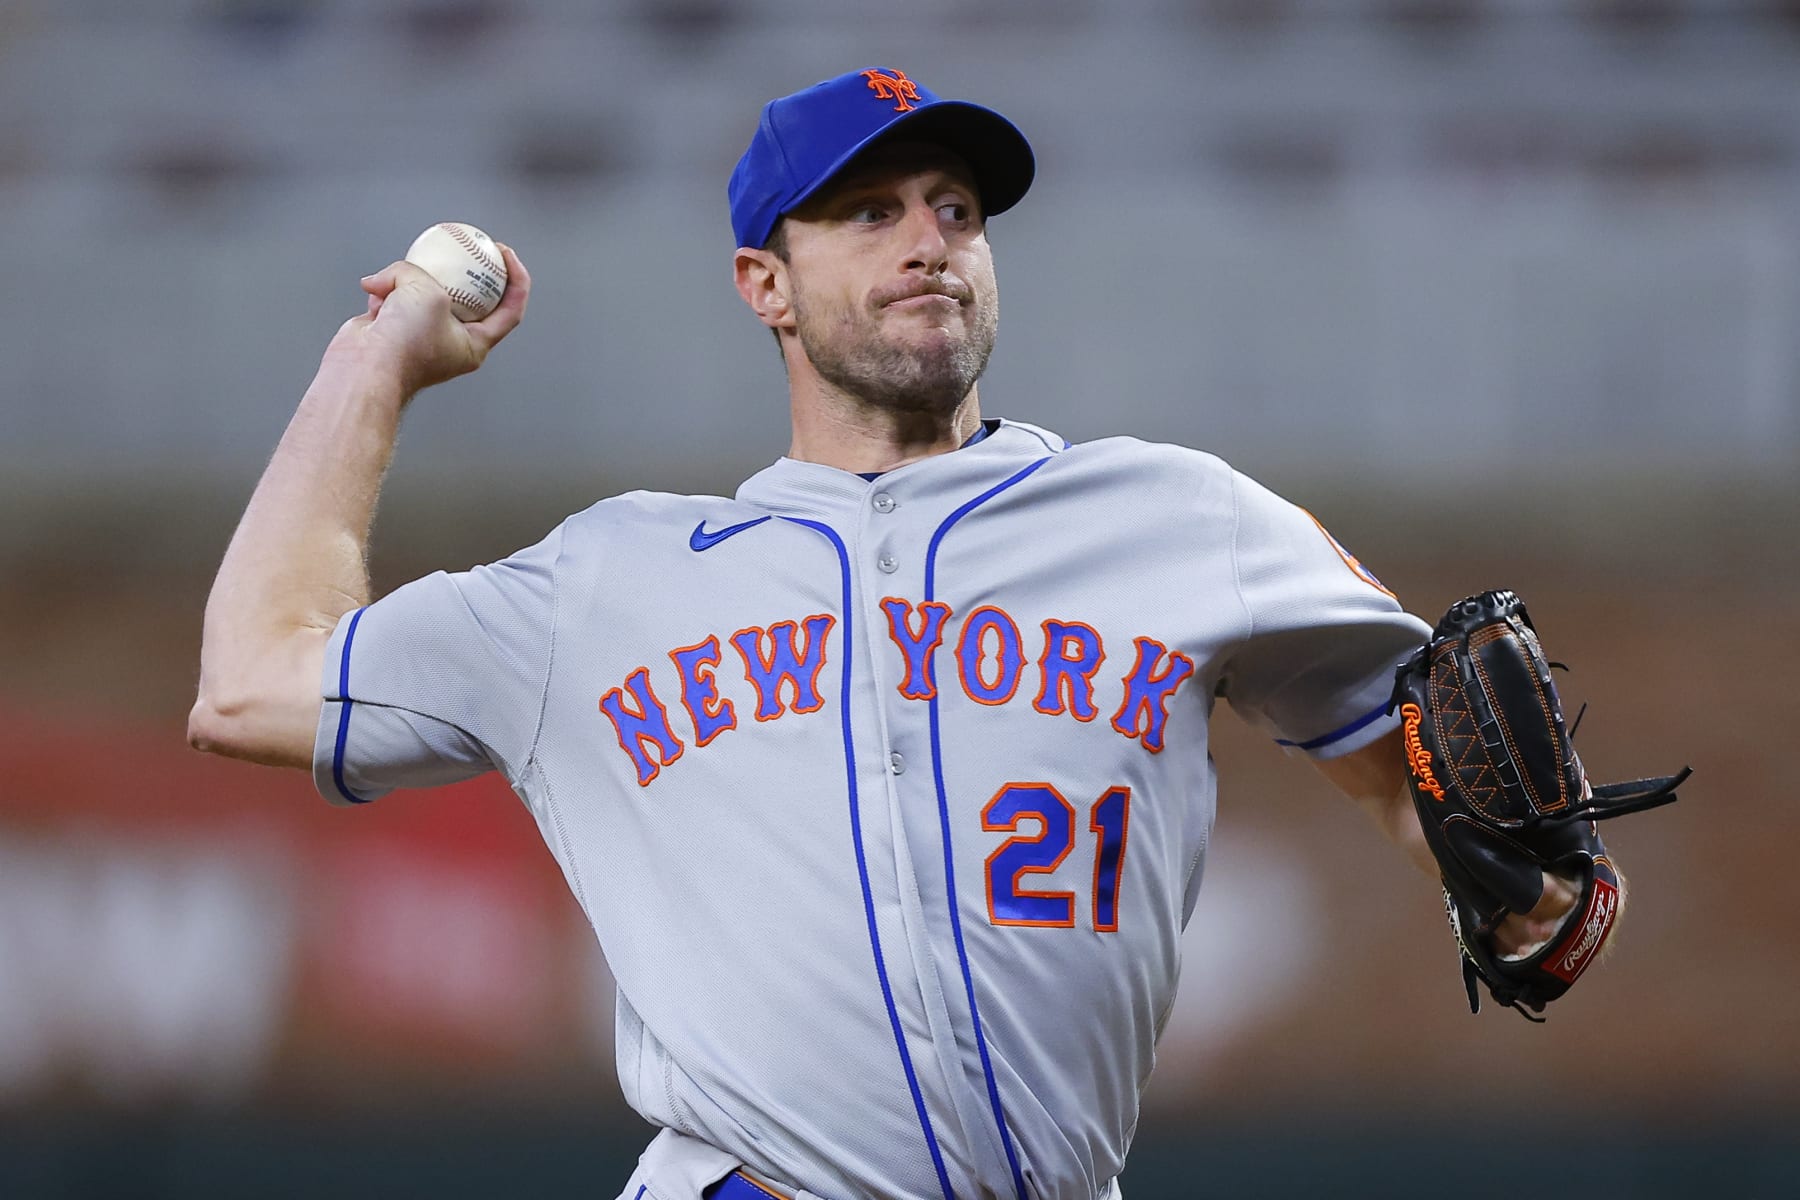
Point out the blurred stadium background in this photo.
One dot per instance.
(1408, 261)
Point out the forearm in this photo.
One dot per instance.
(297, 562)
(1375, 777)
(1394, 815)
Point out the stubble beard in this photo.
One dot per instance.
(851, 352)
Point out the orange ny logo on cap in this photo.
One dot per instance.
(896, 87)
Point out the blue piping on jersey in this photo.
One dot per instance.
(343, 736)
(937, 772)
(1338, 735)
(862, 866)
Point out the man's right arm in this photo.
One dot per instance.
(298, 561)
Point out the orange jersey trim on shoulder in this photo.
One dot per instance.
(1350, 560)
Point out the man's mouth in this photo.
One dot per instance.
(927, 300)
(924, 294)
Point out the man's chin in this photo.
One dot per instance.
(910, 368)
(933, 343)
(921, 384)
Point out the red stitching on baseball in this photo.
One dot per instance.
(461, 234)
(468, 300)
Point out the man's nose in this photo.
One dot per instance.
(927, 250)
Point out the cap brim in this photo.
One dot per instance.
(993, 147)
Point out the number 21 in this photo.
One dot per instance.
(1041, 853)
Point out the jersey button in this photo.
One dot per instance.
(897, 763)
(888, 564)
(883, 502)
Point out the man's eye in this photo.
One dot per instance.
(956, 212)
(866, 214)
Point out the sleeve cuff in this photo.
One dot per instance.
(336, 711)
(1368, 727)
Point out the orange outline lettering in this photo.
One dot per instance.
(1043, 832)
(639, 684)
(1018, 668)
(702, 676)
(899, 615)
(814, 633)
(1094, 826)
(1180, 666)
(1056, 647)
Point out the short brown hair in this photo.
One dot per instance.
(777, 243)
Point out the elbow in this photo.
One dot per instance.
(262, 708)
(237, 727)
(210, 725)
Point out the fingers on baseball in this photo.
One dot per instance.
(380, 286)
(511, 309)
(382, 282)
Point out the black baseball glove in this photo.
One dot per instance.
(1503, 798)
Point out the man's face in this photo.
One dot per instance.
(892, 281)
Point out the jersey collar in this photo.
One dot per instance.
(811, 489)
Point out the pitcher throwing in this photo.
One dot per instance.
(883, 782)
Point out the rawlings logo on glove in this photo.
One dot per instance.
(1589, 934)
(1417, 757)
(1503, 798)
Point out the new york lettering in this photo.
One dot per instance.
(781, 666)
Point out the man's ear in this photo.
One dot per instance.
(762, 280)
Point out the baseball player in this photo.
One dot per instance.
(883, 782)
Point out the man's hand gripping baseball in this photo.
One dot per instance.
(298, 560)
(410, 329)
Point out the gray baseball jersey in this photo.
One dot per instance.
(887, 799)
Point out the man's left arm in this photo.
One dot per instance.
(1480, 785)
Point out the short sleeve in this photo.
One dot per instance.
(1317, 666)
(438, 681)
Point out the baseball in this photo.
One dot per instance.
(468, 264)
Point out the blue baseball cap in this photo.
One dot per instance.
(805, 139)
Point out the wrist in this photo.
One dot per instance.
(362, 369)
(1525, 934)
